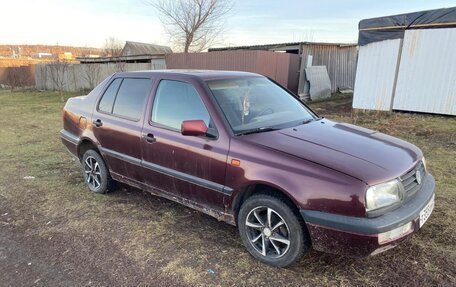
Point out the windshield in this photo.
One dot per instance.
(254, 103)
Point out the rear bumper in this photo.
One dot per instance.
(70, 141)
(359, 236)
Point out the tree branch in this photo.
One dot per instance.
(193, 24)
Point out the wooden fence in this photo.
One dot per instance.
(78, 77)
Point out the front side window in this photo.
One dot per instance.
(176, 102)
(253, 103)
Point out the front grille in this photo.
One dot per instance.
(410, 182)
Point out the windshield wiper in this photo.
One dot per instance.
(256, 131)
(306, 121)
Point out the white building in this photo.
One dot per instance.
(408, 62)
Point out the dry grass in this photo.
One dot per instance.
(131, 238)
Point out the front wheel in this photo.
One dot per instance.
(96, 173)
(271, 231)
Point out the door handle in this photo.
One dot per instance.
(150, 138)
(97, 123)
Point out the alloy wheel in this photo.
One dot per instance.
(92, 172)
(267, 232)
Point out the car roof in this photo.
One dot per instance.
(201, 74)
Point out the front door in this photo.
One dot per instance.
(192, 168)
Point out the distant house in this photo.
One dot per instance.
(134, 52)
(66, 56)
(42, 55)
(135, 48)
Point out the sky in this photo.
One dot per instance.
(88, 23)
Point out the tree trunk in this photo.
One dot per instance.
(188, 42)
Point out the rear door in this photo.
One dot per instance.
(117, 124)
(192, 168)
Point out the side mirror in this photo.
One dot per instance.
(194, 128)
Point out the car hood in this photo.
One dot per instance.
(370, 156)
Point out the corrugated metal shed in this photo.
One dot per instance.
(339, 59)
(424, 78)
(282, 67)
(376, 75)
(427, 73)
(136, 48)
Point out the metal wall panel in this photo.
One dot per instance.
(320, 84)
(340, 61)
(278, 66)
(427, 73)
(376, 75)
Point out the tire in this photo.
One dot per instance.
(257, 231)
(96, 173)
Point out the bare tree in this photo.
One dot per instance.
(91, 73)
(18, 77)
(120, 66)
(307, 35)
(193, 25)
(113, 47)
(57, 74)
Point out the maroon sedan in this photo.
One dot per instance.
(241, 148)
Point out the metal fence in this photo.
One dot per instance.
(281, 67)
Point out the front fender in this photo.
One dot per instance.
(309, 185)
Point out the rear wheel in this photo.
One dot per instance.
(271, 231)
(96, 173)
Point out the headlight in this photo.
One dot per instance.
(382, 195)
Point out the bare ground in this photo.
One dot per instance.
(53, 231)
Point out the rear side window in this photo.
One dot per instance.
(125, 97)
(130, 98)
(176, 102)
(107, 101)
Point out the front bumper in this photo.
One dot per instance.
(359, 236)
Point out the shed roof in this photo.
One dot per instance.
(135, 48)
(279, 46)
(125, 59)
(393, 27)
